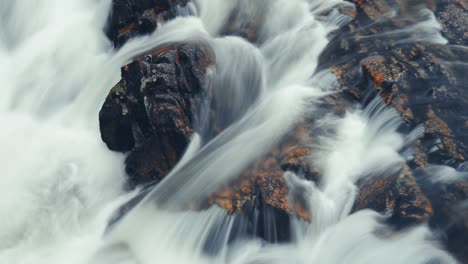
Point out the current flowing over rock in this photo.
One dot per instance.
(233, 131)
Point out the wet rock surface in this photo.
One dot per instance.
(263, 183)
(130, 18)
(423, 81)
(149, 112)
(426, 84)
(450, 211)
(398, 194)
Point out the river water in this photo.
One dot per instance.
(60, 185)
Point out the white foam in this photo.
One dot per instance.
(60, 185)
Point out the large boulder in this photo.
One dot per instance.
(149, 112)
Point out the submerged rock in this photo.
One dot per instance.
(132, 18)
(422, 78)
(418, 78)
(449, 199)
(263, 183)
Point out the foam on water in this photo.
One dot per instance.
(60, 185)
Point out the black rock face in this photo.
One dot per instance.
(149, 112)
(130, 18)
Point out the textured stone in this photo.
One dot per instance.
(398, 194)
(263, 181)
(130, 18)
(150, 111)
(418, 79)
(425, 83)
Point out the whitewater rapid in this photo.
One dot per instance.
(60, 185)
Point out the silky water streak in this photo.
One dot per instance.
(60, 185)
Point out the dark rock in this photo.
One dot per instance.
(452, 217)
(425, 83)
(420, 80)
(450, 204)
(243, 22)
(263, 181)
(453, 17)
(130, 18)
(150, 111)
(397, 194)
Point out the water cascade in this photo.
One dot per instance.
(61, 186)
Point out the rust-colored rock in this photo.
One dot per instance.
(398, 194)
(425, 83)
(418, 79)
(264, 181)
(245, 21)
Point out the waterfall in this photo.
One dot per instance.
(60, 185)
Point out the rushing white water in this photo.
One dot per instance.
(60, 185)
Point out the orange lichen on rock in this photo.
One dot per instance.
(296, 156)
(435, 125)
(372, 193)
(376, 68)
(264, 179)
(413, 197)
(399, 193)
(378, 78)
